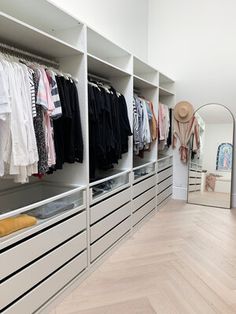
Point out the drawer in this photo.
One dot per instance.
(106, 224)
(164, 184)
(143, 186)
(40, 244)
(109, 205)
(109, 239)
(144, 198)
(164, 174)
(194, 181)
(162, 196)
(47, 289)
(193, 188)
(17, 285)
(195, 174)
(144, 211)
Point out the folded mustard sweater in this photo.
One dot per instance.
(12, 224)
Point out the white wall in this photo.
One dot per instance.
(194, 41)
(123, 21)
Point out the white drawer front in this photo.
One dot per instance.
(164, 184)
(144, 198)
(109, 239)
(14, 287)
(143, 186)
(104, 208)
(195, 174)
(143, 211)
(164, 174)
(41, 294)
(109, 222)
(40, 244)
(161, 197)
(193, 188)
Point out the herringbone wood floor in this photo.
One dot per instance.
(182, 261)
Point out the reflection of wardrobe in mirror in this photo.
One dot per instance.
(210, 169)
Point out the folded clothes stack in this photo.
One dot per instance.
(13, 224)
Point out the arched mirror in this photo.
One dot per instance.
(210, 168)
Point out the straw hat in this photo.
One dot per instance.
(183, 111)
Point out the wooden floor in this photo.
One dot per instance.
(183, 260)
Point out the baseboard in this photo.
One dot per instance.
(179, 193)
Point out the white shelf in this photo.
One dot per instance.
(22, 35)
(145, 71)
(106, 50)
(166, 84)
(53, 19)
(103, 68)
(165, 92)
(140, 83)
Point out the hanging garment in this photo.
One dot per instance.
(44, 98)
(164, 127)
(143, 119)
(5, 111)
(169, 138)
(109, 127)
(39, 128)
(67, 128)
(29, 99)
(184, 131)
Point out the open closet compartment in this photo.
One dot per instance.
(145, 88)
(57, 201)
(107, 51)
(109, 65)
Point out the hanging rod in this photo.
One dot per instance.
(21, 52)
(96, 77)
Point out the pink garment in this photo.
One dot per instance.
(44, 98)
(161, 125)
(184, 131)
(210, 182)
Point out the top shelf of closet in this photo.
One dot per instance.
(145, 73)
(105, 50)
(166, 85)
(48, 18)
(22, 35)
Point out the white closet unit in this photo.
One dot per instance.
(39, 262)
(164, 179)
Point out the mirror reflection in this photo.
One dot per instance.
(210, 169)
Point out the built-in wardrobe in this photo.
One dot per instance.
(42, 262)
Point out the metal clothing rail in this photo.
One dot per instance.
(23, 53)
(96, 77)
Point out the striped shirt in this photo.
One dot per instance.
(32, 91)
(57, 113)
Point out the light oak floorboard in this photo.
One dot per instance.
(182, 261)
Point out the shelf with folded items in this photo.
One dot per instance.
(38, 205)
(144, 171)
(144, 74)
(55, 21)
(107, 51)
(108, 186)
